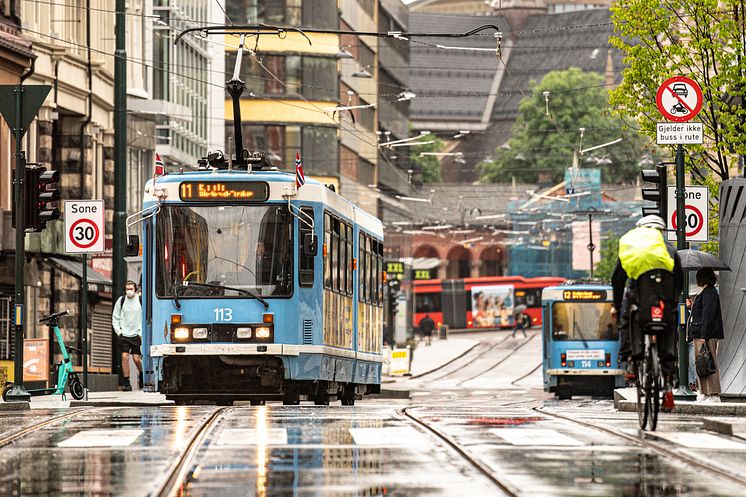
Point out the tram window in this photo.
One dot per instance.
(306, 261)
(328, 246)
(342, 258)
(583, 321)
(362, 267)
(335, 254)
(350, 256)
(379, 274)
(427, 302)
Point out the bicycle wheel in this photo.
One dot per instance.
(655, 390)
(642, 412)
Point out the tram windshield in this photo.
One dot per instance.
(225, 251)
(583, 321)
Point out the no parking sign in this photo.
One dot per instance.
(696, 199)
(84, 226)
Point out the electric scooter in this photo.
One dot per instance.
(65, 372)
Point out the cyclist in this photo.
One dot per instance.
(649, 276)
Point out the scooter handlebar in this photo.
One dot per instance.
(53, 317)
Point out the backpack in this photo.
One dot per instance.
(654, 295)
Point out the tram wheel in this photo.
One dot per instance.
(257, 402)
(291, 401)
(322, 400)
(564, 392)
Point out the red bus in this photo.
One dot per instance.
(485, 302)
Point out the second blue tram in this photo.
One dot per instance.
(255, 290)
(580, 341)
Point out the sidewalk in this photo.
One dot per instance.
(426, 359)
(136, 398)
(625, 400)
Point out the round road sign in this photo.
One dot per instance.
(694, 220)
(679, 99)
(83, 233)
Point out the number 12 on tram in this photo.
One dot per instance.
(580, 341)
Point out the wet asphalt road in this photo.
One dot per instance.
(481, 426)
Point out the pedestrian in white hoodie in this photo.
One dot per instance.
(127, 323)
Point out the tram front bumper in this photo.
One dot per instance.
(595, 372)
(213, 349)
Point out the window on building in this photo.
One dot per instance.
(309, 13)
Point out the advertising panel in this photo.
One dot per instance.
(492, 306)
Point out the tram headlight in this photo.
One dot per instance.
(199, 333)
(243, 333)
(181, 333)
(262, 332)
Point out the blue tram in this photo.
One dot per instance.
(580, 341)
(255, 290)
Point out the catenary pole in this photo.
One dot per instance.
(120, 157)
(683, 392)
(18, 392)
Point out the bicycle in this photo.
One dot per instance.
(649, 384)
(64, 370)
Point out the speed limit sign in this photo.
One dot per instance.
(84, 226)
(696, 211)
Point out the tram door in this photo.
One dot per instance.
(454, 303)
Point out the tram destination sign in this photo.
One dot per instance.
(584, 295)
(235, 191)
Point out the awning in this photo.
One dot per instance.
(75, 268)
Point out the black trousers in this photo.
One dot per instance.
(632, 344)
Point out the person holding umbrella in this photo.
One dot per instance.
(705, 329)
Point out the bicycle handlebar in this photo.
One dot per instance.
(53, 317)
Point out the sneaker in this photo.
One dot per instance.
(667, 405)
(127, 387)
(701, 397)
(712, 398)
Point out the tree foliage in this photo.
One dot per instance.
(702, 39)
(547, 132)
(429, 165)
(609, 254)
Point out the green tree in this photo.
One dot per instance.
(609, 254)
(429, 165)
(702, 39)
(546, 132)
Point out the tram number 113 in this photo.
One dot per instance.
(223, 314)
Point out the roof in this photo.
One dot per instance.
(557, 42)
(435, 71)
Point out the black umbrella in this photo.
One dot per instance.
(696, 259)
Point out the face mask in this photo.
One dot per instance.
(130, 293)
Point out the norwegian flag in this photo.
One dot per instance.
(300, 177)
(160, 169)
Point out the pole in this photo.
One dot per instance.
(119, 268)
(591, 247)
(84, 322)
(683, 392)
(18, 393)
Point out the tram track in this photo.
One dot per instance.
(482, 468)
(502, 360)
(8, 439)
(178, 471)
(454, 366)
(647, 444)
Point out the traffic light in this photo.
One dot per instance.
(394, 286)
(40, 197)
(657, 194)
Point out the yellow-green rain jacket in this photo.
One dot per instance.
(643, 249)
